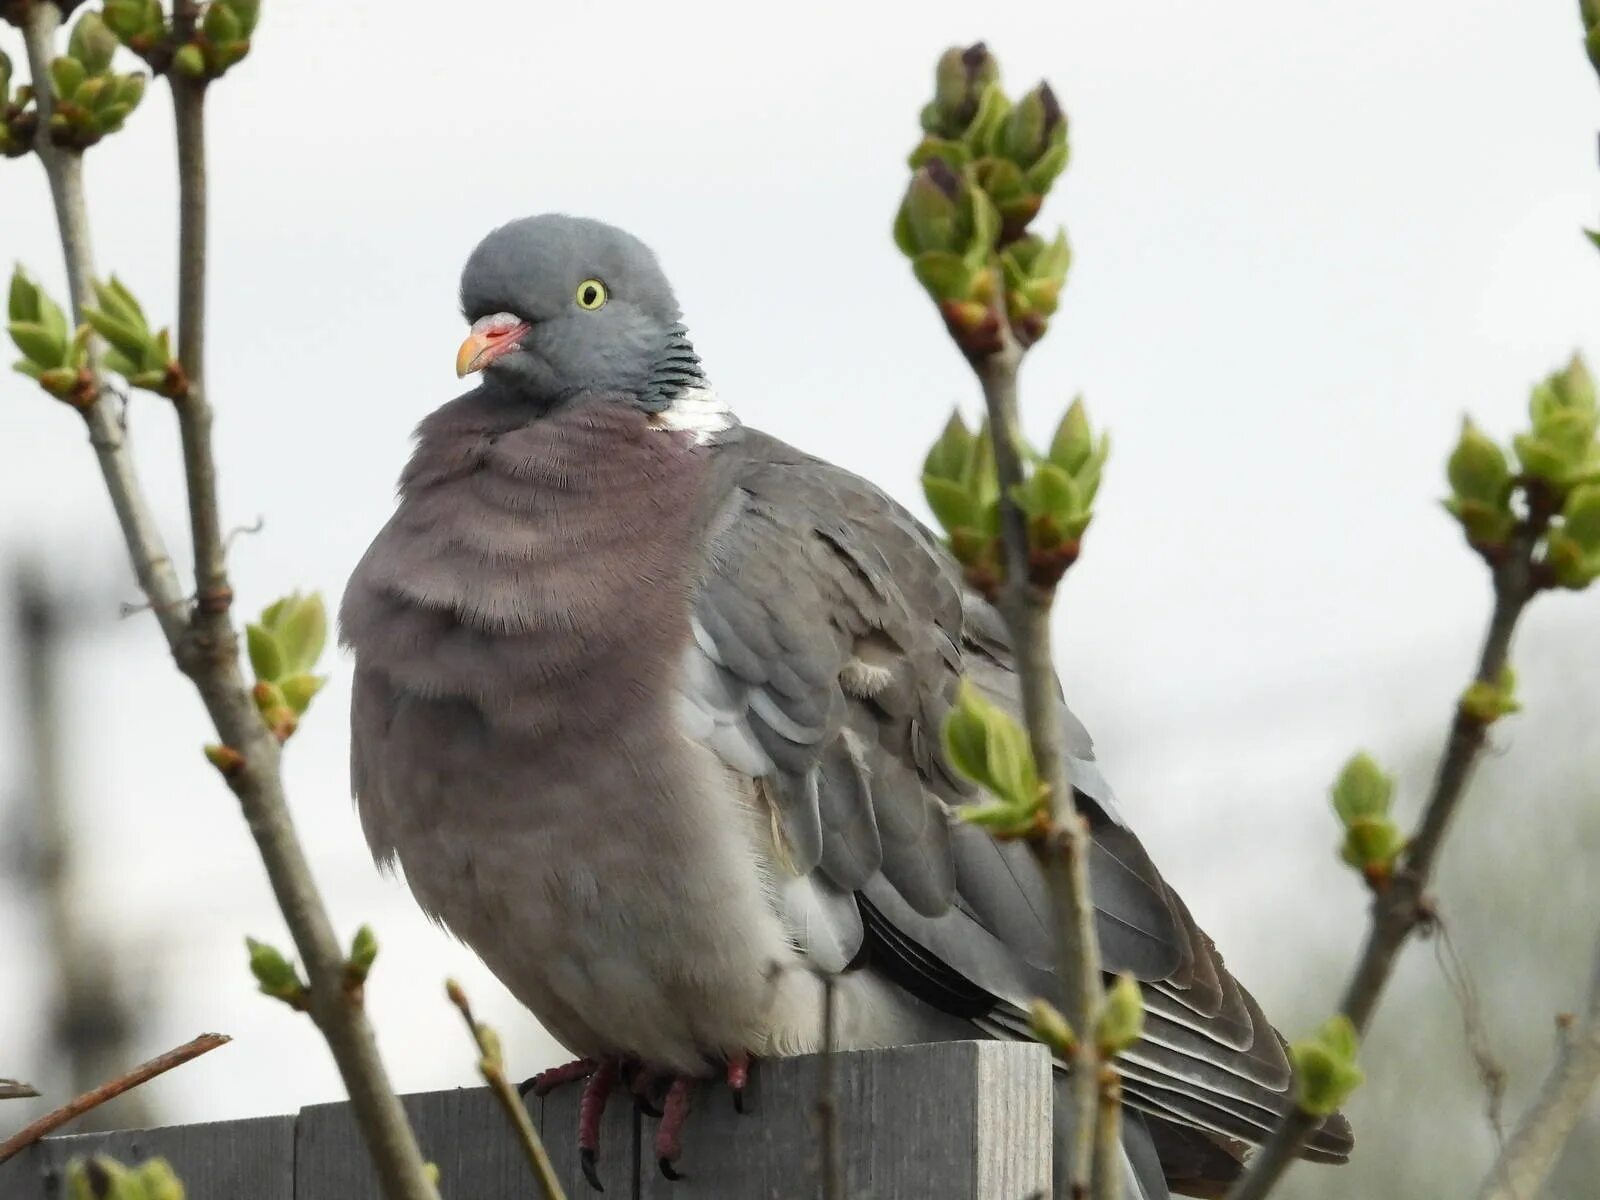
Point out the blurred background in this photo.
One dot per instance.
(1307, 238)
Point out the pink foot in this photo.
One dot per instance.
(591, 1107)
(738, 1076)
(546, 1081)
(669, 1134)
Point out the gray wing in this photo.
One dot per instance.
(830, 631)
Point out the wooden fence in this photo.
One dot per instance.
(951, 1121)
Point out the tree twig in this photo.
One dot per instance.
(1063, 852)
(204, 642)
(1108, 1137)
(158, 577)
(493, 1072)
(12, 1089)
(1402, 906)
(1555, 1111)
(110, 1090)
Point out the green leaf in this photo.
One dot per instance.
(1594, 236)
(266, 657)
(948, 457)
(38, 343)
(1043, 174)
(953, 154)
(22, 302)
(943, 274)
(1477, 468)
(1580, 517)
(1073, 442)
(302, 632)
(127, 339)
(951, 503)
(299, 690)
(119, 302)
(1362, 790)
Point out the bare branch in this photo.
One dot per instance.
(11, 1089)
(1555, 1111)
(1108, 1137)
(493, 1071)
(157, 576)
(1402, 906)
(204, 642)
(143, 1073)
(1063, 852)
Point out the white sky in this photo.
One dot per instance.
(1307, 237)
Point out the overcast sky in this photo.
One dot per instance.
(1307, 237)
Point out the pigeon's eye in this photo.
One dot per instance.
(591, 294)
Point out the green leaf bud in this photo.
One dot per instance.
(1325, 1067)
(1120, 1022)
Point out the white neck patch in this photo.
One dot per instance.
(697, 410)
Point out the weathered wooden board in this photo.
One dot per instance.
(951, 1121)
(238, 1160)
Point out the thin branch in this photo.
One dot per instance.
(212, 592)
(1108, 1137)
(1063, 852)
(205, 644)
(158, 577)
(143, 1073)
(1402, 906)
(493, 1072)
(1556, 1110)
(12, 1089)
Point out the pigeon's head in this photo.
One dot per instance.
(561, 305)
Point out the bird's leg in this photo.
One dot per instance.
(591, 1107)
(642, 1081)
(738, 1076)
(669, 1134)
(546, 1081)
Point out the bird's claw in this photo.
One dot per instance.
(589, 1159)
(667, 1169)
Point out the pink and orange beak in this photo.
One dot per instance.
(491, 336)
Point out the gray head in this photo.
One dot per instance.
(561, 305)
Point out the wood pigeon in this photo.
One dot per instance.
(647, 707)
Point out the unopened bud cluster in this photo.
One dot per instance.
(103, 1178)
(1553, 491)
(1372, 840)
(143, 358)
(18, 116)
(90, 99)
(1056, 497)
(980, 174)
(284, 647)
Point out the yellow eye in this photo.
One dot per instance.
(591, 294)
